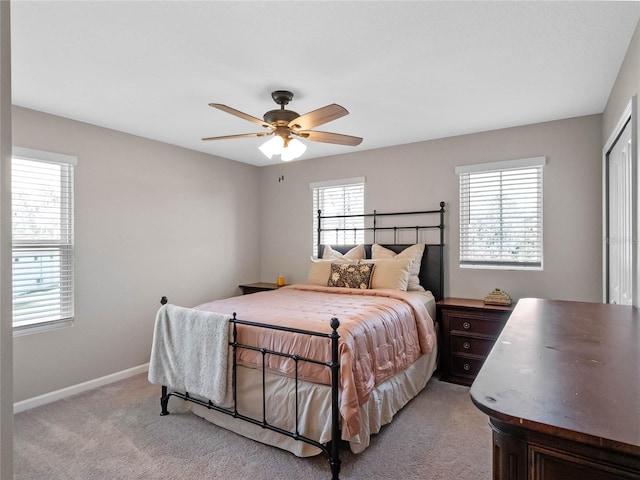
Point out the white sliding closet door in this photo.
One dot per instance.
(620, 253)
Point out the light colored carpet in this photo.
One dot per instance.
(116, 432)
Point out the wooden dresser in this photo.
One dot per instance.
(469, 329)
(562, 391)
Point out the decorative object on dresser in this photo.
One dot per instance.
(469, 329)
(248, 288)
(561, 389)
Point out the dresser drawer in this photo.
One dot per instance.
(466, 323)
(464, 366)
(470, 345)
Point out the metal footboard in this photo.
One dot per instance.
(332, 449)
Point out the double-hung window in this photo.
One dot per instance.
(501, 214)
(42, 225)
(338, 197)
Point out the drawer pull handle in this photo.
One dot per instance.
(466, 325)
(466, 345)
(466, 367)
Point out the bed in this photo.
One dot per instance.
(316, 364)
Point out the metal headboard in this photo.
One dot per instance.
(432, 267)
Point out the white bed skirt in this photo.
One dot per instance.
(385, 401)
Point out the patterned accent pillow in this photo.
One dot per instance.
(351, 275)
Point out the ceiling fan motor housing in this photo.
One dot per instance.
(280, 117)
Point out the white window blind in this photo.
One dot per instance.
(341, 197)
(501, 214)
(42, 221)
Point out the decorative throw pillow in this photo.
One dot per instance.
(351, 275)
(390, 273)
(319, 271)
(355, 254)
(414, 252)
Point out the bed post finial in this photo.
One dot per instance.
(335, 323)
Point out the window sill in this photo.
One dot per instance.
(42, 327)
(502, 267)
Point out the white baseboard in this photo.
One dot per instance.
(75, 389)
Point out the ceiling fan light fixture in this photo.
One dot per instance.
(272, 147)
(294, 149)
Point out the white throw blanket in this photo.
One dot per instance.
(190, 353)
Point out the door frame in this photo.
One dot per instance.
(630, 115)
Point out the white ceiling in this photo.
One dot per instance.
(406, 71)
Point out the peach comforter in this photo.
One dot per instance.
(382, 332)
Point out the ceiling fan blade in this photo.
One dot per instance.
(240, 114)
(326, 137)
(241, 135)
(318, 117)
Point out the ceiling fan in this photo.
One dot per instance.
(286, 124)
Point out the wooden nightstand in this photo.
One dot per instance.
(469, 329)
(248, 288)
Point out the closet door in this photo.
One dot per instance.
(619, 248)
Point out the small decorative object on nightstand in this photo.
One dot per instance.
(248, 288)
(497, 297)
(469, 329)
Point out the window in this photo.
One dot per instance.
(501, 214)
(42, 221)
(338, 197)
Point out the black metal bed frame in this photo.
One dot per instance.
(433, 256)
(334, 364)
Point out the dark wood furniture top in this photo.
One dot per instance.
(473, 304)
(248, 288)
(563, 377)
(469, 329)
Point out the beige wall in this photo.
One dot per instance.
(420, 175)
(626, 86)
(151, 219)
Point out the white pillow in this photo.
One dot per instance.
(390, 273)
(320, 269)
(355, 254)
(414, 252)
